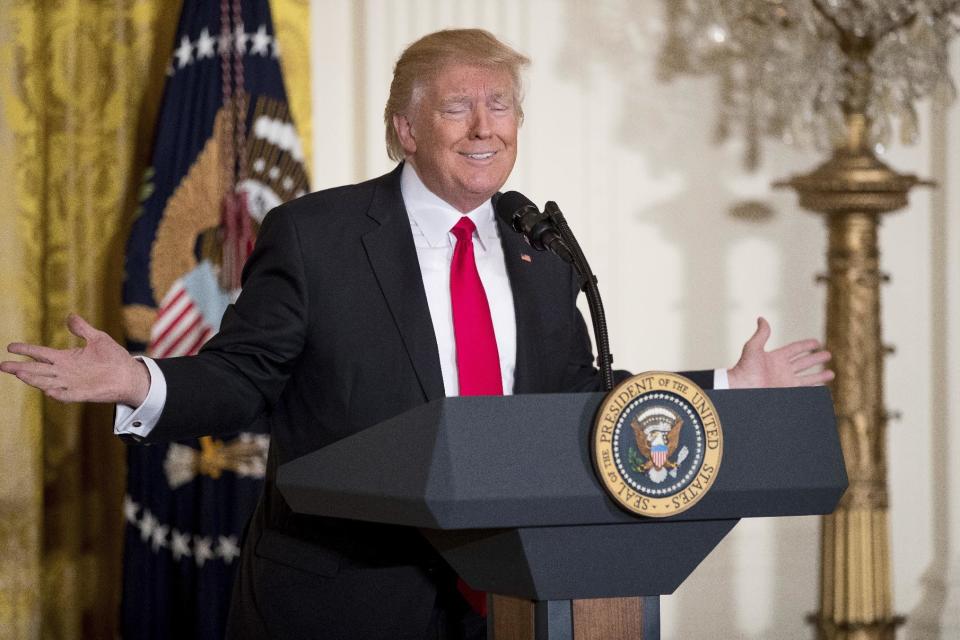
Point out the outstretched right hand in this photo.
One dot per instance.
(99, 371)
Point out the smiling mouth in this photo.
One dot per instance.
(479, 156)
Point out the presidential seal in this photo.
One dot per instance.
(657, 444)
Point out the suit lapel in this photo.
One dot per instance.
(393, 258)
(523, 280)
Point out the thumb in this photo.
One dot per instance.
(759, 338)
(80, 327)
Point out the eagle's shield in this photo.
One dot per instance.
(659, 455)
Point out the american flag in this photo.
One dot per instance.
(185, 520)
(180, 328)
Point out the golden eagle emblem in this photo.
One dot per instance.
(657, 433)
(656, 444)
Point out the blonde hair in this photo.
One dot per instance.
(422, 60)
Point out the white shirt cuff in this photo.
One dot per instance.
(720, 380)
(141, 420)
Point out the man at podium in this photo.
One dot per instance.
(359, 303)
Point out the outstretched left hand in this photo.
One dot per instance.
(797, 364)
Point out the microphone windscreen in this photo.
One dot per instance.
(509, 203)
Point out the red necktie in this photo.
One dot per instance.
(478, 362)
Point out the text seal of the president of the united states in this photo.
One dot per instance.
(657, 444)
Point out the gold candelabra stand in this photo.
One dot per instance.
(834, 74)
(852, 189)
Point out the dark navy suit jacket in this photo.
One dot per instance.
(331, 335)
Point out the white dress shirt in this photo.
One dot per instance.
(431, 220)
(141, 420)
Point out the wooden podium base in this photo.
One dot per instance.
(597, 619)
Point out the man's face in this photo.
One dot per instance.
(461, 134)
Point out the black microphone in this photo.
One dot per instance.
(536, 227)
(549, 230)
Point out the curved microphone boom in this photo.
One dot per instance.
(549, 230)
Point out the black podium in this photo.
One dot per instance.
(505, 489)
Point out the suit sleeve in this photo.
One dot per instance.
(581, 374)
(702, 378)
(244, 368)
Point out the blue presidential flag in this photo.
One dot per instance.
(225, 152)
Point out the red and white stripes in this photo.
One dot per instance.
(180, 329)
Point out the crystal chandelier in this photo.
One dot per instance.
(793, 69)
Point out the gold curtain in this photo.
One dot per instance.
(80, 85)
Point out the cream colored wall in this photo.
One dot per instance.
(923, 378)
(655, 203)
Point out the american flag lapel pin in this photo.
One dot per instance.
(526, 257)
